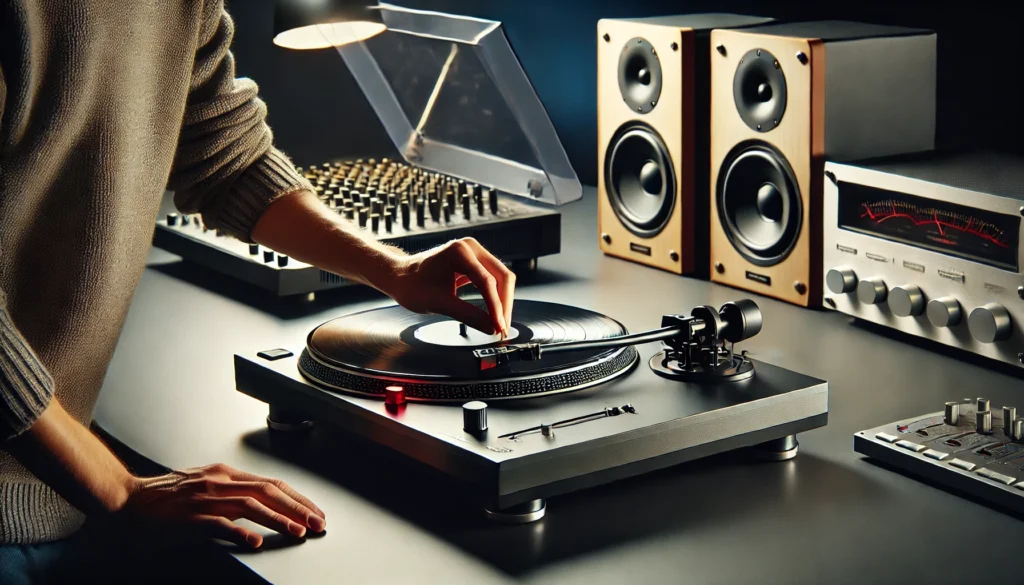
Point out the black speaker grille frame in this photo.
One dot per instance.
(641, 227)
(774, 254)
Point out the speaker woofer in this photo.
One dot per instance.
(640, 180)
(639, 75)
(759, 203)
(759, 90)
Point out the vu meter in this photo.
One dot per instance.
(929, 244)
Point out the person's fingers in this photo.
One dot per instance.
(252, 509)
(277, 500)
(221, 528)
(466, 262)
(467, 313)
(505, 277)
(239, 475)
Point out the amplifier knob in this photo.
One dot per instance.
(871, 291)
(990, 323)
(1009, 415)
(952, 413)
(984, 422)
(944, 312)
(841, 280)
(906, 301)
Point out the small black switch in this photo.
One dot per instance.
(274, 354)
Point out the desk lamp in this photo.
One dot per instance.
(318, 24)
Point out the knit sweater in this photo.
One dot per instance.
(105, 104)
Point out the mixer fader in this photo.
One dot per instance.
(969, 447)
(398, 204)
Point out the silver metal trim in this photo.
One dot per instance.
(623, 371)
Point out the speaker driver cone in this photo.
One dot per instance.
(639, 75)
(759, 203)
(640, 180)
(759, 90)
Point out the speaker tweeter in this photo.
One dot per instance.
(759, 90)
(639, 75)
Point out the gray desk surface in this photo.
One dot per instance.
(827, 516)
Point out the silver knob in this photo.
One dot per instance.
(952, 413)
(871, 291)
(984, 422)
(841, 280)
(983, 404)
(944, 312)
(1018, 429)
(547, 430)
(474, 417)
(906, 301)
(1009, 415)
(990, 323)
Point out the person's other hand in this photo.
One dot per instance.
(211, 498)
(428, 282)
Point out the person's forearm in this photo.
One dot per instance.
(300, 226)
(73, 461)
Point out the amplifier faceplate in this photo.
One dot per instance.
(922, 278)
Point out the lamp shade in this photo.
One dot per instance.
(317, 24)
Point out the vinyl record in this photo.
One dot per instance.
(431, 356)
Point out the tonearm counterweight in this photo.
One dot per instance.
(698, 347)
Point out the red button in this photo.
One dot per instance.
(394, 395)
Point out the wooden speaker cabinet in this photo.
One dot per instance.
(653, 105)
(786, 97)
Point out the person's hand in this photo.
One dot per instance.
(428, 282)
(210, 499)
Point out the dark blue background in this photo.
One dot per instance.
(316, 110)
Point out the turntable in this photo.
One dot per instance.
(566, 402)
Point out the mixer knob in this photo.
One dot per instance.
(172, 219)
(1009, 415)
(983, 404)
(990, 323)
(906, 301)
(871, 291)
(944, 312)
(474, 417)
(363, 215)
(447, 214)
(282, 260)
(466, 206)
(254, 249)
(405, 215)
(984, 422)
(841, 280)
(492, 199)
(1018, 430)
(952, 415)
(268, 256)
(388, 220)
(375, 222)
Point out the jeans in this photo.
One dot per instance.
(114, 555)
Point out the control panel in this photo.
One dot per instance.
(927, 259)
(969, 446)
(393, 202)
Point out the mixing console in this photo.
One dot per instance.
(398, 204)
(968, 447)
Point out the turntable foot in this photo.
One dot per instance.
(524, 267)
(782, 449)
(521, 514)
(287, 420)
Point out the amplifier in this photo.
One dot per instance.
(930, 245)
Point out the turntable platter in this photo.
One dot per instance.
(431, 356)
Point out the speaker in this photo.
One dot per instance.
(653, 105)
(786, 97)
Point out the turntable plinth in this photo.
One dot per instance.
(547, 445)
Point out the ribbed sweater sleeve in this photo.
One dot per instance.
(26, 388)
(226, 166)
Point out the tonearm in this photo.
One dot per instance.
(697, 347)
